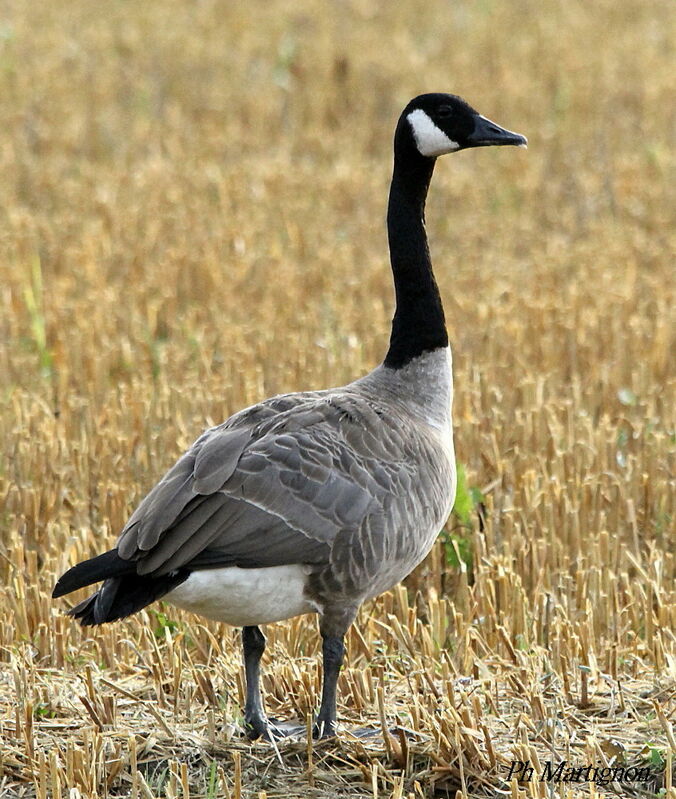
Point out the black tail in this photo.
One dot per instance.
(123, 592)
(110, 564)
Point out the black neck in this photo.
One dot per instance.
(418, 324)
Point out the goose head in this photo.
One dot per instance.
(436, 124)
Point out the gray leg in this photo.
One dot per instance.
(256, 723)
(333, 626)
(253, 644)
(333, 650)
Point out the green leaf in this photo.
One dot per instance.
(477, 495)
(458, 550)
(164, 623)
(212, 787)
(464, 502)
(654, 755)
(43, 711)
(33, 298)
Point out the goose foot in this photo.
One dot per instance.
(260, 727)
(367, 732)
(364, 733)
(323, 729)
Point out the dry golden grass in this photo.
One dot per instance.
(192, 200)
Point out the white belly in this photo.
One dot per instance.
(244, 597)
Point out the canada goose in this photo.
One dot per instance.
(316, 501)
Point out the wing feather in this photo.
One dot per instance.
(306, 478)
(217, 459)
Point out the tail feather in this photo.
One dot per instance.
(102, 567)
(119, 597)
(123, 592)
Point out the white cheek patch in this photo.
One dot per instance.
(431, 140)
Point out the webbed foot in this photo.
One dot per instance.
(256, 727)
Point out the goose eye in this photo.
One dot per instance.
(444, 112)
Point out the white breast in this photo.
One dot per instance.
(243, 597)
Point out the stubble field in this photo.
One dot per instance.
(192, 201)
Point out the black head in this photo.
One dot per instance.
(443, 123)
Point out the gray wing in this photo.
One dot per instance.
(273, 485)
